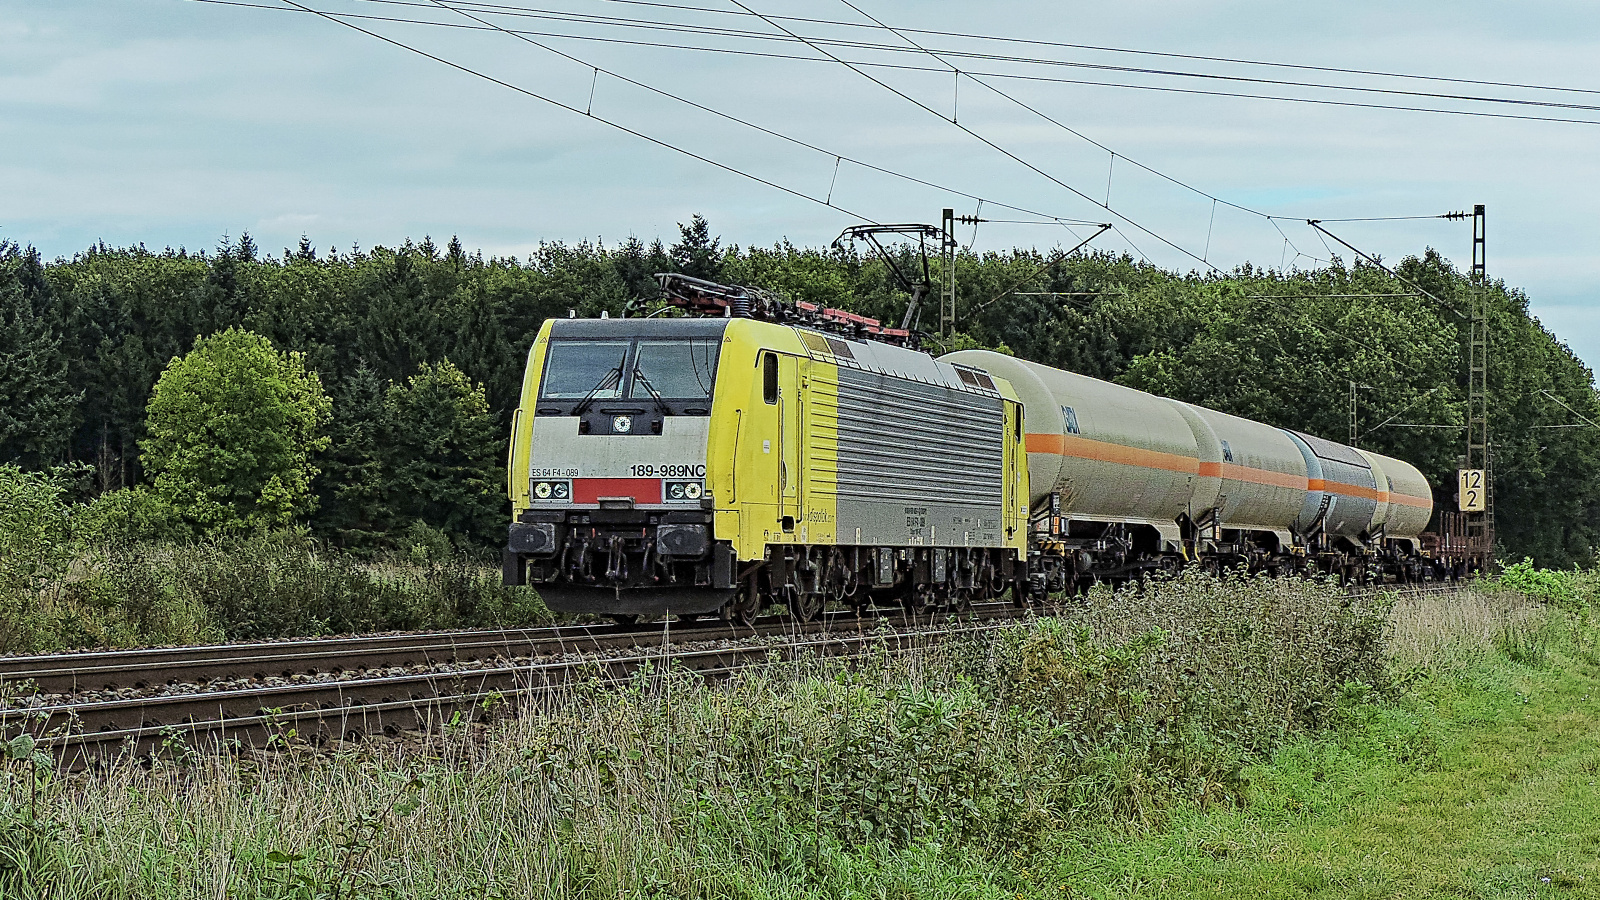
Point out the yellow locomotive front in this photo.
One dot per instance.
(609, 471)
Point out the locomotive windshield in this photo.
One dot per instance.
(671, 369)
(679, 370)
(577, 369)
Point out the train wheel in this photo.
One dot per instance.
(805, 607)
(625, 618)
(916, 602)
(1019, 594)
(743, 608)
(688, 618)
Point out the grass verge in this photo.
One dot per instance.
(1232, 738)
(1479, 782)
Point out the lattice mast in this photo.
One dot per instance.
(1480, 525)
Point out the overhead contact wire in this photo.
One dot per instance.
(685, 28)
(552, 101)
(1129, 50)
(1070, 130)
(487, 26)
(1203, 259)
(732, 118)
(1002, 150)
(690, 28)
(914, 68)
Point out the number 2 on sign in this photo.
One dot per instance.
(1473, 493)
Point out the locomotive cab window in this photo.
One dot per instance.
(1227, 452)
(1072, 420)
(678, 370)
(769, 377)
(577, 369)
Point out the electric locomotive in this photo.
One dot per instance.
(706, 464)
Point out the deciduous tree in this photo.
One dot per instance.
(231, 428)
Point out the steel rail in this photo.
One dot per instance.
(84, 733)
(81, 733)
(73, 673)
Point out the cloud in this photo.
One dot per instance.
(173, 122)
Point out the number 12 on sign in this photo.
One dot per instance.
(1473, 497)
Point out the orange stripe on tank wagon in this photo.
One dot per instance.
(1408, 500)
(1102, 451)
(1348, 490)
(1263, 476)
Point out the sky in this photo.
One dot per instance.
(176, 122)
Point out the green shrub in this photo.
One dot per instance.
(111, 573)
(1572, 590)
(35, 553)
(126, 516)
(284, 585)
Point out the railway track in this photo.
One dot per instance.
(332, 693)
(1424, 589)
(77, 673)
(92, 706)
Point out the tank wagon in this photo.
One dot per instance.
(785, 454)
(1123, 482)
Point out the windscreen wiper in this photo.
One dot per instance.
(612, 378)
(661, 405)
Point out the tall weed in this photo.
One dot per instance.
(284, 586)
(812, 777)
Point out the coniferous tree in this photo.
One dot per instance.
(37, 406)
(697, 253)
(637, 266)
(442, 456)
(350, 489)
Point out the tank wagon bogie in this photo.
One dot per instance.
(695, 465)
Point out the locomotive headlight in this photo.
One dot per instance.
(552, 490)
(683, 491)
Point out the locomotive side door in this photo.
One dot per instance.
(790, 438)
(1015, 468)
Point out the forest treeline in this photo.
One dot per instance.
(421, 348)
